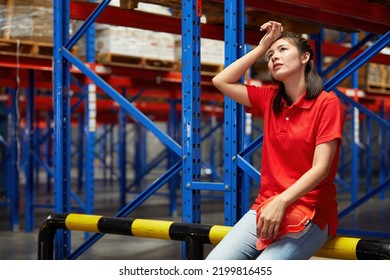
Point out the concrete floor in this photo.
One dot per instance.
(20, 245)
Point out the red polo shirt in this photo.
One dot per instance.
(290, 138)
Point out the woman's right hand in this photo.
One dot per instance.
(273, 30)
(270, 217)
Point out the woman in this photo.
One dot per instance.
(302, 138)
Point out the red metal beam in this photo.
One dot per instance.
(25, 62)
(137, 19)
(124, 17)
(143, 20)
(333, 50)
(357, 9)
(155, 108)
(133, 77)
(355, 15)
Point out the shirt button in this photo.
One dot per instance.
(287, 118)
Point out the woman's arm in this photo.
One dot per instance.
(227, 81)
(271, 216)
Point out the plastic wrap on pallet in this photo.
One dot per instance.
(27, 19)
(133, 42)
(211, 51)
(378, 78)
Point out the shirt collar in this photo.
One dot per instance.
(302, 102)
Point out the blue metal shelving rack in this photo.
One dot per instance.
(11, 162)
(236, 155)
(62, 58)
(61, 94)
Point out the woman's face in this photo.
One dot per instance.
(284, 60)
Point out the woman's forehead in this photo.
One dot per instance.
(278, 43)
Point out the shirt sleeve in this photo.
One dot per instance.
(259, 98)
(331, 120)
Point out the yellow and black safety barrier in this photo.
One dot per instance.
(336, 248)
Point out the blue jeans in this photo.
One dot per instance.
(240, 243)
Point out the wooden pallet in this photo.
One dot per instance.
(378, 88)
(132, 4)
(137, 61)
(26, 48)
(205, 68)
(378, 78)
(111, 58)
(166, 64)
(211, 68)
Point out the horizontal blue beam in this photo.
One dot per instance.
(209, 186)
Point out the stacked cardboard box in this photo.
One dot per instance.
(378, 78)
(132, 42)
(27, 19)
(212, 53)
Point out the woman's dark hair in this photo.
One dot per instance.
(314, 84)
